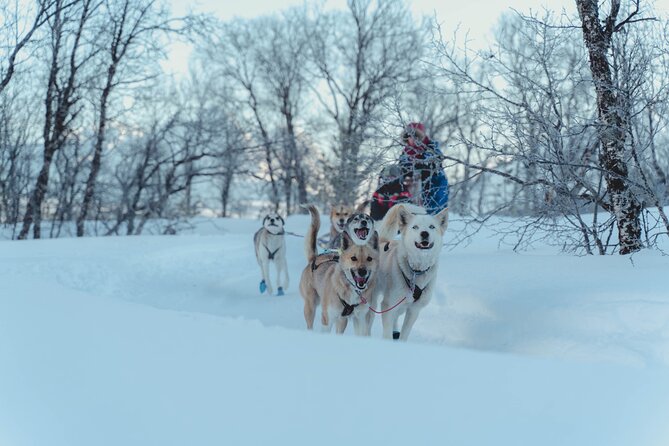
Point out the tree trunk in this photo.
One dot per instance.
(97, 155)
(33, 213)
(625, 206)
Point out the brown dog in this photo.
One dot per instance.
(340, 284)
(339, 214)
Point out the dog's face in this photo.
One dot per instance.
(338, 216)
(273, 223)
(422, 234)
(360, 227)
(359, 263)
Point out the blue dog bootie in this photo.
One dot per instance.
(280, 292)
(263, 286)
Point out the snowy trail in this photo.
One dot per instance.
(584, 308)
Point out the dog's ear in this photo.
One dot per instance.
(442, 217)
(375, 241)
(403, 215)
(346, 241)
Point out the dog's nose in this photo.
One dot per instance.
(425, 235)
(363, 223)
(362, 272)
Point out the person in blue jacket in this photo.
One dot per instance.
(420, 161)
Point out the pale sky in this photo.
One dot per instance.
(475, 16)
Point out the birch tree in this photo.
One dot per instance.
(597, 36)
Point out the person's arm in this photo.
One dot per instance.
(433, 152)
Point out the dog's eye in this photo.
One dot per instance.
(369, 259)
(354, 258)
(414, 227)
(432, 227)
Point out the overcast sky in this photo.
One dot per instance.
(475, 16)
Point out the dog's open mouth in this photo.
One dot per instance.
(362, 233)
(360, 281)
(424, 244)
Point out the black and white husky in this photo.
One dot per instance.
(360, 229)
(270, 246)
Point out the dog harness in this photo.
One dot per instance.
(411, 284)
(271, 254)
(348, 308)
(315, 265)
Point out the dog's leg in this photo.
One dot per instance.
(409, 319)
(341, 324)
(369, 317)
(325, 319)
(310, 303)
(264, 266)
(282, 273)
(360, 325)
(389, 321)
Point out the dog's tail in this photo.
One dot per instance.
(310, 248)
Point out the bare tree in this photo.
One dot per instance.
(283, 71)
(17, 149)
(597, 37)
(360, 56)
(67, 27)
(130, 27)
(12, 18)
(231, 49)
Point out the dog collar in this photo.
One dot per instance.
(416, 272)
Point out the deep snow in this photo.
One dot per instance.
(165, 340)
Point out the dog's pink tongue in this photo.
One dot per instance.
(360, 280)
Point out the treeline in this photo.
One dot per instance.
(562, 121)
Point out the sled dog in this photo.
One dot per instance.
(407, 267)
(360, 228)
(340, 284)
(339, 214)
(341, 219)
(270, 246)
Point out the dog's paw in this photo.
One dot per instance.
(263, 286)
(280, 292)
(396, 335)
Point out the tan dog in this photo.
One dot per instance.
(339, 214)
(408, 267)
(340, 284)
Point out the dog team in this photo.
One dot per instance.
(364, 272)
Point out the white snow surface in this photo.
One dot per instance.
(165, 340)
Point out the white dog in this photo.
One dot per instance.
(270, 246)
(408, 266)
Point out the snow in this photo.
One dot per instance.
(165, 340)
